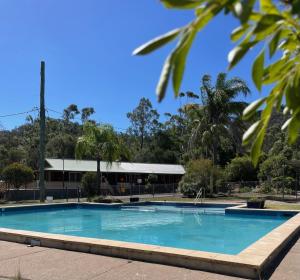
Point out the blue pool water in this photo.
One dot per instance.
(196, 228)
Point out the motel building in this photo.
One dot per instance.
(118, 178)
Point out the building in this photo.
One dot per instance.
(117, 178)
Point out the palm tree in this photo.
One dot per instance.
(99, 142)
(219, 114)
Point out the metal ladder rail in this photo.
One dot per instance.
(198, 196)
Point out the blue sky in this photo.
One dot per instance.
(87, 46)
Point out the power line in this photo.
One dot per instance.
(35, 109)
(54, 111)
(20, 113)
(61, 114)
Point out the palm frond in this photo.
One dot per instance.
(235, 86)
(236, 107)
(100, 142)
(221, 81)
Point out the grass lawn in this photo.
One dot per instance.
(282, 206)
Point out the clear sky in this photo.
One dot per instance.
(87, 46)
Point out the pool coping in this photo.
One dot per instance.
(252, 262)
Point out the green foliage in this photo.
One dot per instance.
(61, 145)
(89, 184)
(276, 171)
(70, 112)
(245, 190)
(101, 199)
(99, 142)
(144, 121)
(86, 113)
(283, 182)
(266, 188)
(219, 116)
(169, 141)
(240, 169)
(17, 175)
(265, 23)
(197, 176)
(273, 167)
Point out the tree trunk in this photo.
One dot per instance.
(98, 181)
(214, 162)
(142, 141)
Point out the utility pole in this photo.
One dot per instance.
(42, 135)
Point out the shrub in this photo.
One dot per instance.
(240, 169)
(101, 199)
(89, 183)
(274, 166)
(266, 188)
(197, 176)
(17, 175)
(245, 190)
(284, 183)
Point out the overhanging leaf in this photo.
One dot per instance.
(286, 124)
(273, 72)
(243, 9)
(250, 133)
(157, 42)
(292, 93)
(184, 45)
(267, 6)
(294, 128)
(267, 21)
(265, 117)
(181, 4)
(204, 15)
(258, 70)
(296, 7)
(164, 78)
(238, 53)
(239, 32)
(250, 110)
(180, 59)
(274, 43)
(256, 147)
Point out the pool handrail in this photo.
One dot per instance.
(200, 195)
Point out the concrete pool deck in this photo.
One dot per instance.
(39, 263)
(253, 262)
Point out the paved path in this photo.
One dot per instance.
(38, 263)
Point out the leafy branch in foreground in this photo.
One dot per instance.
(273, 25)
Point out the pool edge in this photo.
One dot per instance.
(252, 262)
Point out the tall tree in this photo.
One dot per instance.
(101, 143)
(218, 113)
(144, 120)
(86, 113)
(70, 112)
(61, 146)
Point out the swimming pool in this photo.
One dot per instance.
(185, 226)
